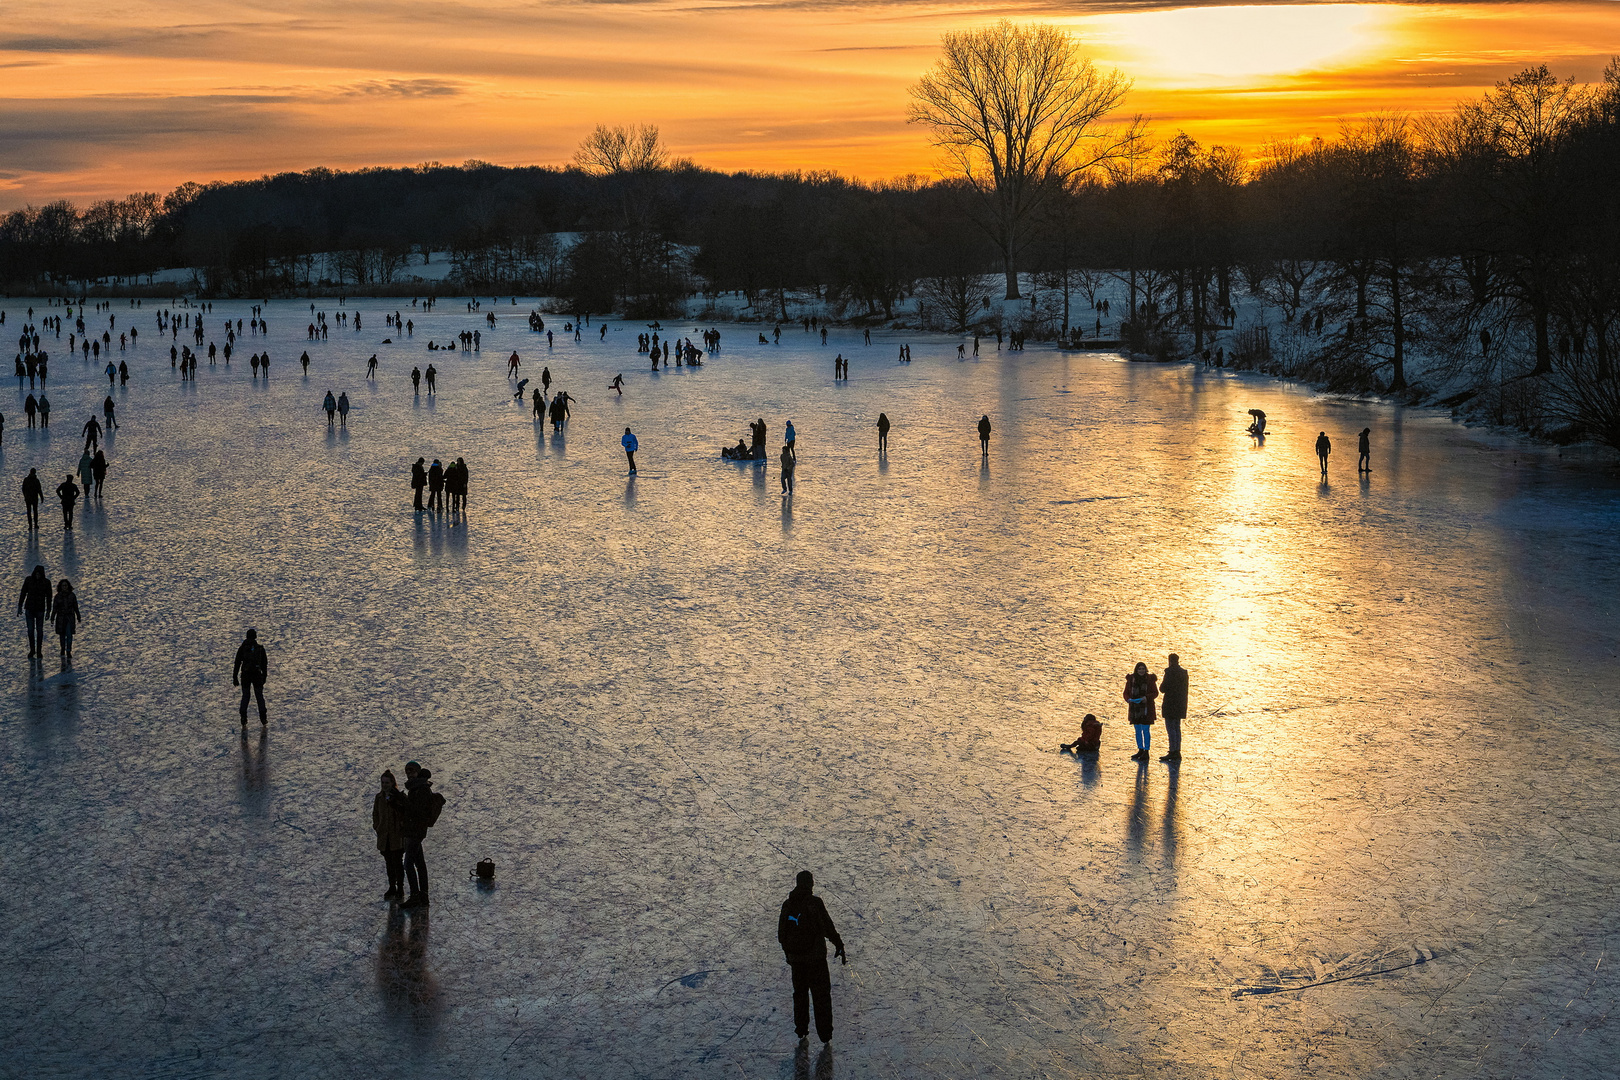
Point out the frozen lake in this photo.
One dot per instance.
(651, 701)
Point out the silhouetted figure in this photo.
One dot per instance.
(44, 410)
(87, 471)
(1141, 688)
(371, 367)
(788, 463)
(545, 379)
(343, 409)
(1257, 427)
(1173, 707)
(790, 440)
(251, 668)
(330, 405)
(304, 360)
(1324, 447)
(98, 470)
(436, 486)
(538, 404)
(630, 444)
(418, 480)
(617, 385)
(802, 929)
(984, 435)
(756, 433)
(432, 379)
(34, 604)
(68, 492)
(416, 388)
(32, 491)
(883, 433)
(1090, 740)
(1364, 451)
(65, 615)
(388, 822)
(30, 408)
(107, 408)
(418, 793)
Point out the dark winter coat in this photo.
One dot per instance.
(32, 489)
(804, 927)
(418, 476)
(413, 823)
(1174, 689)
(66, 616)
(1140, 694)
(252, 662)
(36, 594)
(388, 820)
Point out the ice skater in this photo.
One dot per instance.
(1324, 447)
(34, 604)
(512, 363)
(1090, 740)
(1141, 688)
(617, 385)
(371, 367)
(802, 929)
(630, 444)
(984, 435)
(251, 668)
(1364, 451)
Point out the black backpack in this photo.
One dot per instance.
(801, 932)
(432, 806)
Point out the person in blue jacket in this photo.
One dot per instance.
(629, 443)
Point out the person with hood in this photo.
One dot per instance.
(251, 668)
(984, 435)
(388, 822)
(1324, 447)
(435, 479)
(418, 480)
(65, 615)
(883, 433)
(87, 470)
(630, 446)
(1140, 690)
(32, 492)
(1173, 707)
(68, 492)
(802, 929)
(98, 470)
(418, 794)
(34, 604)
(330, 405)
(343, 409)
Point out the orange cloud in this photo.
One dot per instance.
(173, 92)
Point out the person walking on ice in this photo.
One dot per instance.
(1173, 705)
(1324, 447)
(802, 929)
(251, 668)
(343, 409)
(330, 405)
(68, 492)
(32, 491)
(65, 615)
(1364, 451)
(630, 445)
(34, 604)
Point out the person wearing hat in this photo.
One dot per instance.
(413, 828)
(803, 929)
(249, 671)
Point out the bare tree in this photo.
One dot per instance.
(1018, 112)
(625, 149)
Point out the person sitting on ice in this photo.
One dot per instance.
(740, 452)
(1090, 740)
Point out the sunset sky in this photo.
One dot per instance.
(102, 100)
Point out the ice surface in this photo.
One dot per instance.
(651, 701)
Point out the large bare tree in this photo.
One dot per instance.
(608, 151)
(1020, 115)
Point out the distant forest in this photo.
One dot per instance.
(1485, 242)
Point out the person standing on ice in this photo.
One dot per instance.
(1140, 690)
(788, 464)
(68, 492)
(34, 604)
(330, 405)
(418, 481)
(1324, 447)
(791, 437)
(545, 379)
(883, 433)
(630, 444)
(1364, 451)
(343, 409)
(432, 379)
(65, 616)
(251, 668)
(414, 827)
(388, 822)
(1173, 707)
(984, 435)
(435, 478)
(416, 380)
(802, 929)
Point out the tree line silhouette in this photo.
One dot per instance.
(1472, 257)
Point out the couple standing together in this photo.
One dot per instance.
(1142, 688)
(401, 820)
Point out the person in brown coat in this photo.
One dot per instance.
(388, 821)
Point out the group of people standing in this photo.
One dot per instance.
(440, 480)
(401, 819)
(1145, 695)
